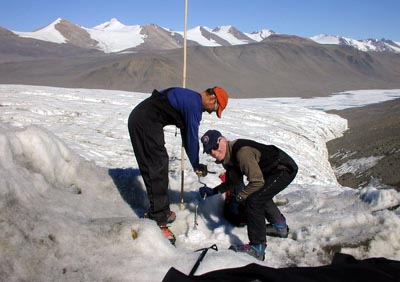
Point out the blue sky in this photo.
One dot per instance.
(358, 19)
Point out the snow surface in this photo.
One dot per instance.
(363, 45)
(326, 39)
(357, 166)
(196, 35)
(71, 192)
(260, 35)
(343, 100)
(47, 33)
(225, 32)
(114, 36)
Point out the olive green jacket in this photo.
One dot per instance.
(247, 165)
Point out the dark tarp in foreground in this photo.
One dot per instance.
(344, 268)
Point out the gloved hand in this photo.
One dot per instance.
(201, 170)
(206, 191)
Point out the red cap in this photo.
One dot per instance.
(222, 99)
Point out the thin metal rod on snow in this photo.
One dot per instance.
(182, 202)
(196, 210)
(195, 216)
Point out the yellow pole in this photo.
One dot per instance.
(182, 202)
(185, 45)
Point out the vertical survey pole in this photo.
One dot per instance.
(182, 201)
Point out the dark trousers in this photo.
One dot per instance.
(145, 124)
(260, 206)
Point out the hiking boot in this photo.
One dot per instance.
(167, 233)
(254, 250)
(171, 216)
(277, 230)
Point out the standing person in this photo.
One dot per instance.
(173, 106)
(268, 169)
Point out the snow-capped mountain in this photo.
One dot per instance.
(114, 36)
(365, 45)
(47, 33)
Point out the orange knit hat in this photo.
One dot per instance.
(222, 99)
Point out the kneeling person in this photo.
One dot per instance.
(268, 169)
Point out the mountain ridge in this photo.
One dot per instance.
(113, 36)
(288, 67)
(275, 65)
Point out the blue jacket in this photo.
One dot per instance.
(188, 103)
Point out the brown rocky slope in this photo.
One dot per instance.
(374, 131)
(278, 67)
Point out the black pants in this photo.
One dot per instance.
(145, 124)
(260, 206)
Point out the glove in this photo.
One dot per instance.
(206, 191)
(201, 170)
